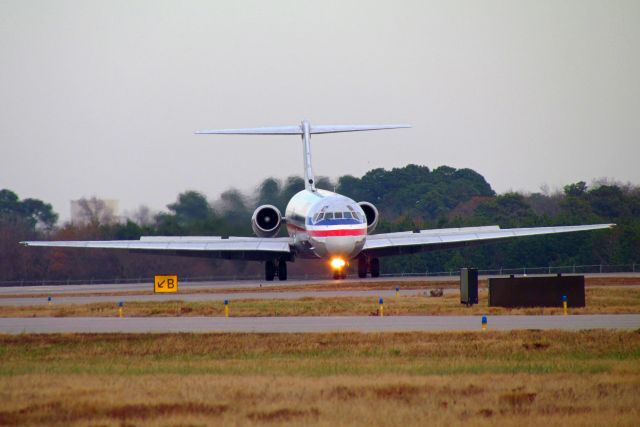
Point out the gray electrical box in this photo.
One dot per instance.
(469, 286)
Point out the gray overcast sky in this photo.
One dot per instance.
(102, 98)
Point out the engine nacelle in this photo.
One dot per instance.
(371, 213)
(266, 221)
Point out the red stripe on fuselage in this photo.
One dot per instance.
(329, 233)
(338, 232)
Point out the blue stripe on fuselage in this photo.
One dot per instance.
(350, 221)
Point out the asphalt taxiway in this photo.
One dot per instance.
(90, 299)
(313, 324)
(221, 284)
(246, 284)
(217, 291)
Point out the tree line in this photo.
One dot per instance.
(411, 197)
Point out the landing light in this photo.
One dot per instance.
(337, 263)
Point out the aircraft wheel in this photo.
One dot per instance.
(282, 270)
(362, 267)
(269, 270)
(343, 274)
(336, 275)
(375, 267)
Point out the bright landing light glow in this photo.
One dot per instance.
(337, 263)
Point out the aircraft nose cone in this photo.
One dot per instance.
(340, 245)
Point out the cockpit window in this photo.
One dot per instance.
(321, 218)
(355, 214)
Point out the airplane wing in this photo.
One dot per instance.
(249, 248)
(410, 242)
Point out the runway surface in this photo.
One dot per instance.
(232, 296)
(313, 324)
(241, 284)
(127, 287)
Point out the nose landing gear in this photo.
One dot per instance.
(339, 266)
(340, 274)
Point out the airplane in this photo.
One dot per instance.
(320, 224)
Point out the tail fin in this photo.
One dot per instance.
(305, 129)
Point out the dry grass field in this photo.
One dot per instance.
(600, 300)
(522, 378)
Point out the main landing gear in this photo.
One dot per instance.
(340, 274)
(271, 270)
(368, 265)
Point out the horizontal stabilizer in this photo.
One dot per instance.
(305, 130)
(298, 129)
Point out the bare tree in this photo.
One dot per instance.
(92, 211)
(143, 216)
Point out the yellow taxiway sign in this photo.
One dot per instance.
(165, 284)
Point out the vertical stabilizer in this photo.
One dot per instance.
(309, 179)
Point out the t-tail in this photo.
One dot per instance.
(305, 130)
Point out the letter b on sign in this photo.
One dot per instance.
(165, 283)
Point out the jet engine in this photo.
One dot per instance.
(371, 213)
(266, 221)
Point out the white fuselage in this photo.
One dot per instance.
(323, 224)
